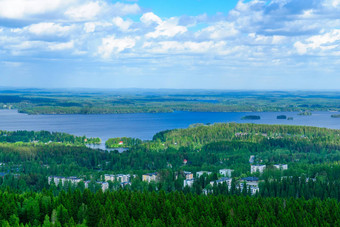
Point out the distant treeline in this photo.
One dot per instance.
(44, 137)
(51, 102)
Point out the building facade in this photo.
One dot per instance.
(149, 177)
(226, 172)
(257, 168)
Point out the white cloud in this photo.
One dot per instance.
(327, 41)
(149, 18)
(256, 31)
(48, 29)
(91, 27)
(300, 47)
(21, 9)
(111, 45)
(11, 63)
(188, 47)
(88, 11)
(61, 46)
(26, 45)
(220, 30)
(167, 28)
(123, 25)
(70, 10)
(122, 9)
(332, 3)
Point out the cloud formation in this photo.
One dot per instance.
(253, 34)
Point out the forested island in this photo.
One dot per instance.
(305, 113)
(251, 117)
(281, 117)
(335, 115)
(225, 174)
(40, 101)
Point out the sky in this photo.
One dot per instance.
(182, 44)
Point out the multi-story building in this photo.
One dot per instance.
(251, 181)
(222, 180)
(123, 184)
(200, 173)
(226, 172)
(109, 177)
(188, 175)
(104, 185)
(257, 168)
(149, 177)
(188, 182)
(118, 177)
(57, 180)
(281, 166)
(123, 177)
(73, 180)
(253, 189)
(86, 183)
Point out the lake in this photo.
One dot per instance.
(145, 125)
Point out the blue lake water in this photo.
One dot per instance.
(145, 125)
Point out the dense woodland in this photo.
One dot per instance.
(124, 208)
(44, 137)
(309, 184)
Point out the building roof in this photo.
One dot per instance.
(150, 174)
(223, 179)
(250, 179)
(73, 178)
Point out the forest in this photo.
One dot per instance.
(126, 208)
(40, 101)
(312, 155)
(44, 137)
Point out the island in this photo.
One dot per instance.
(290, 118)
(281, 117)
(305, 113)
(251, 117)
(335, 116)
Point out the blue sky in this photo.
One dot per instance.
(168, 8)
(209, 44)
